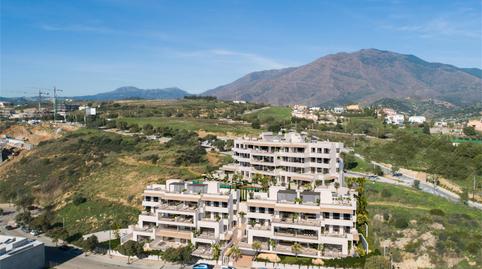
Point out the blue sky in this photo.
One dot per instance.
(90, 46)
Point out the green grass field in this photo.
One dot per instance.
(278, 113)
(194, 124)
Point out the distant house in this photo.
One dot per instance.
(397, 119)
(417, 119)
(477, 124)
(239, 102)
(339, 110)
(440, 124)
(386, 112)
(353, 108)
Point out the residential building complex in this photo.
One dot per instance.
(179, 212)
(305, 202)
(21, 253)
(289, 158)
(322, 221)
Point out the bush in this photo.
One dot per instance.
(386, 193)
(437, 212)
(79, 199)
(401, 222)
(416, 184)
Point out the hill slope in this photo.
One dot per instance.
(136, 93)
(363, 76)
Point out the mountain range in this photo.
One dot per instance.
(364, 76)
(130, 92)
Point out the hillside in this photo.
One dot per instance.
(108, 169)
(363, 76)
(136, 93)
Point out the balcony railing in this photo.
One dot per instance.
(308, 222)
(296, 235)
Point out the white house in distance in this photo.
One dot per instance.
(397, 119)
(417, 119)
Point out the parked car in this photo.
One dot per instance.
(227, 267)
(373, 177)
(35, 232)
(397, 174)
(202, 266)
(25, 229)
(9, 227)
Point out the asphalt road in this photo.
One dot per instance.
(405, 180)
(74, 258)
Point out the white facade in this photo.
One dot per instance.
(417, 119)
(397, 119)
(322, 221)
(179, 212)
(290, 158)
(21, 253)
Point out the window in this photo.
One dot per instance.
(336, 215)
(261, 210)
(271, 210)
(252, 209)
(326, 215)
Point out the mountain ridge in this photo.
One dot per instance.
(131, 92)
(363, 76)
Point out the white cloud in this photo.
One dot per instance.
(77, 28)
(439, 27)
(250, 59)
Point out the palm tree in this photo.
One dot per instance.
(234, 252)
(257, 247)
(296, 248)
(242, 214)
(216, 251)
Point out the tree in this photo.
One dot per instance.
(121, 125)
(426, 128)
(216, 251)
(416, 184)
(134, 128)
(1, 211)
(469, 131)
(90, 243)
(234, 252)
(148, 129)
(296, 248)
(25, 201)
(257, 247)
(337, 185)
(24, 218)
(131, 248)
(255, 124)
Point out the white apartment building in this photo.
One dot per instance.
(289, 158)
(179, 212)
(322, 221)
(21, 253)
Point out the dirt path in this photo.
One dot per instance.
(394, 204)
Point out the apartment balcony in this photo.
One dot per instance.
(150, 203)
(245, 245)
(180, 220)
(173, 233)
(293, 164)
(297, 235)
(305, 251)
(305, 222)
(334, 234)
(148, 216)
(205, 252)
(178, 209)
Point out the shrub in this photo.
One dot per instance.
(386, 193)
(437, 212)
(79, 199)
(416, 184)
(401, 222)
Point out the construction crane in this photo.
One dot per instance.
(40, 94)
(55, 101)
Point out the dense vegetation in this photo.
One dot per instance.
(410, 223)
(433, 154)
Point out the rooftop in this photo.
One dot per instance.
(9, 245)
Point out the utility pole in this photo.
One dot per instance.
(473, 193)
